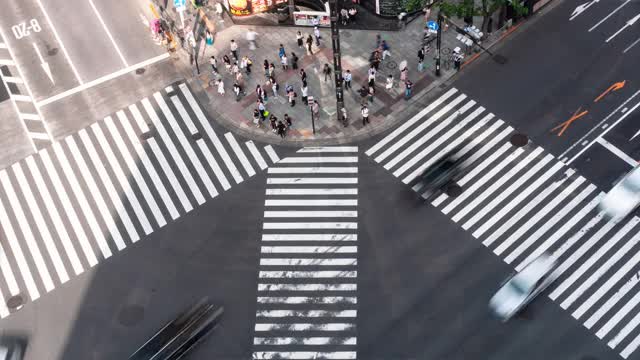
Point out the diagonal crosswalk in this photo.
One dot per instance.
(307, 281)
(520, 202)
(93, 193)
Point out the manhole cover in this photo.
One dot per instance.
(519, 140)
(15, 302)
(454, 190)
(197, 136)
(140, 71)
(52, 51)
(131, 315)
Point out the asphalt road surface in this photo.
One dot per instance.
(74, 62)
(557, 69)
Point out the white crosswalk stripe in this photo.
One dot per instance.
(521, 202)
(116, 181)
(308, 262)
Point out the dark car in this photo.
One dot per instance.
(441, 173)
(179, 336)
(12, 348)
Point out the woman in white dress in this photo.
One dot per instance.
(221, 87)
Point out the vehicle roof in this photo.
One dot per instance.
(536, 269)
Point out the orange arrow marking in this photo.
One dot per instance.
(614, 87)
(566, 124)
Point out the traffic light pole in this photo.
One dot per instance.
(438, 43)
(337, 58)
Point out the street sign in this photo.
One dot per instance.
(432, 25)
(180, 5)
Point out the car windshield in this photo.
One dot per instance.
(632, 183)
(518, 287)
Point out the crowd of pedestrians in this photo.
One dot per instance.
(238, 66)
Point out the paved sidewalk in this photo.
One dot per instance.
(356, 48)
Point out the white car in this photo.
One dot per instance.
(624, 197)
(521, 288)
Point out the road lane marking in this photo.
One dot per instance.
(523, 194)
(256, 154)
(316, 340)
(272, 154)
(108, 186)
(222, 152)
(122, 178)
(435, 117)
(616, 151)
(308, 287)
(306, 181)
(585, 147)
(310, 225)
(308, 313)
(309, 237)
(68, 207)
(106, 29)
(74, 184)
(146, 162)
(92, 83)
(186, 118)
(102, 206)
(299, 355)
(59, 40)
(322, 202)
(305, 327)
(330, 274)
(134, 171)
(478, 154)
(601, 270)
(632, 45)
(54, 255)
(329, 159)
(168, 142)
(308, 262)
(23, 266)
(314, 213)
(314, 191)
(24, 226)
(315, 149)
(155, 148)
(307, 299)
(530, 205)
(450, 146)
(601, 251)
(560, 232)
(608, 16)
(485, 178)
(434, 131)
(240, 154)
(410, 122)
(313, 170)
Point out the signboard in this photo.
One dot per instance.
(432, 25)
(311, 18)
(180, 5)
(248, 7)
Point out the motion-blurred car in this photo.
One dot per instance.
(179, 336)
(624, 197)
(521, 288)
(441, 172)
(12, 348)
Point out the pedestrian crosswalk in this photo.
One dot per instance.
(93, 193)
(307, 281)
(520, 202)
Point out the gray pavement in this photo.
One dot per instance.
(356, 45)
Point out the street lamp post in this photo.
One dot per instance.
(337, 62)
(438, 43)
